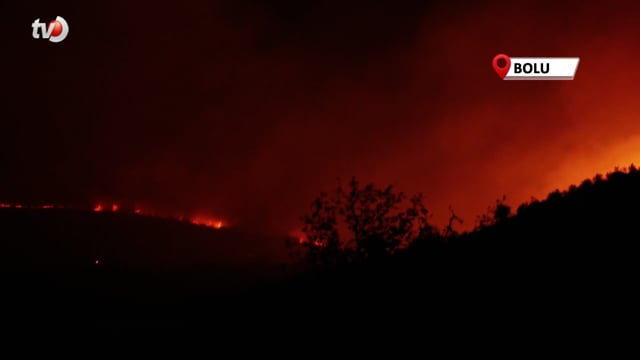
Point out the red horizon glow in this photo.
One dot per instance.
(267, 109)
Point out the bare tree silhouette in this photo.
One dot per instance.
(495, 214)
(449, 229)
(362, 223)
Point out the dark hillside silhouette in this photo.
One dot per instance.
(574, 250)
(590, 224)
(61, 238)
(144, 264)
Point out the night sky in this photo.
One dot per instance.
(248, 109)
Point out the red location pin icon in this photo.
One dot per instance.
(501, 65)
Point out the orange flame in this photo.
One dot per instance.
(212, 223)
(303, 240)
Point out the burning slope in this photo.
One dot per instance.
(212, 222)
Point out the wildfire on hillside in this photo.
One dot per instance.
(211, 222)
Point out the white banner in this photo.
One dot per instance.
(535, 68)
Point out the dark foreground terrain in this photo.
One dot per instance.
(570, 261)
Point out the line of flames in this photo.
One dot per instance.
(196, 220)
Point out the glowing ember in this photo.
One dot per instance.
(297, 234)
(97, 262)
(97, 208)
(5, 205)
(47, 207)
(302, 239)
(137, 211)
(114, 207)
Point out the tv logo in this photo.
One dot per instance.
(57, 30)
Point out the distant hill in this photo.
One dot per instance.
(59, 238)
(113, 269)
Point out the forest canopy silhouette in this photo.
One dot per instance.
(366, 223)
